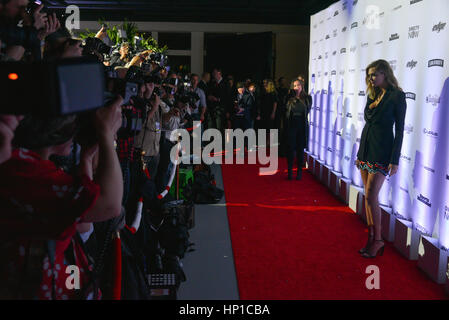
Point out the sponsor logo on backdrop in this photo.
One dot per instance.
(397, 8)
(360, 117)
(343, 50)
(436, 63)
(314, 41)
(400, 216)
(335, 33)
(314, 26)
(351, 70)
(320, 57)
(327, 37)
(321, 22)
(342, 72)
(357, 140)
(329, 149)
(321, 39)
(434, 100)
(410, 95)
(325, 74)
(424, 200)
(430, 133)
(419, 227)
(394, 36)
(414, 1)
(346, 158)
(408, 128)
(334, 53)
(393, 64)
(364, 45)
(429, 169)
(353, 49)
(379, 42)
(438, 27)
(326, 55)
(362, 93)
(338, 133)
(411, 64)
(350, 93)
(336, 13)
(354, 25)
(348, 115)
(404, 157)
(345, 5)
(446, 213)
(328, 18)
(413, 32)
(334, 73)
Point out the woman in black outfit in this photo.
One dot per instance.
(268, 105)
(379, 149)
(298, 106)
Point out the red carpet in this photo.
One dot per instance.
(295, 240)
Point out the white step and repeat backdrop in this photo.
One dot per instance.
(413, 36)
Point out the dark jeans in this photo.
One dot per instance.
(126, 180)
(152, 163)
(295, 144)
(163, 173)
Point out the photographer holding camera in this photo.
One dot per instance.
(29, 37)
(199, 107)
(43, 206)
(148, 140)
(8, 123)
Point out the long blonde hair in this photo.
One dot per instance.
(384, 67)
(270, 86)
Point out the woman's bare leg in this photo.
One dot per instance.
(373, 186)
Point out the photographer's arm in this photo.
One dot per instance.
(8, 123)
(15, 52)
(109, 174)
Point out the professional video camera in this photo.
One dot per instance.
(53, 87)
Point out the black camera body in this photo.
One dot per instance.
(53, 87)
(93, 46)
(158, 58)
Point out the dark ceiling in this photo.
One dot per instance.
(296, 12)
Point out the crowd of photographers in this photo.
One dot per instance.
(70, 181)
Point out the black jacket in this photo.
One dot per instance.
(378, 144)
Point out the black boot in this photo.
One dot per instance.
(290, 167)
(299, 174)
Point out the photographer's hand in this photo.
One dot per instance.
(109, 174)
(149, 90)
(40, 19)
(108, 119)
(15, 52)
(51, 26)
(101, 34)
